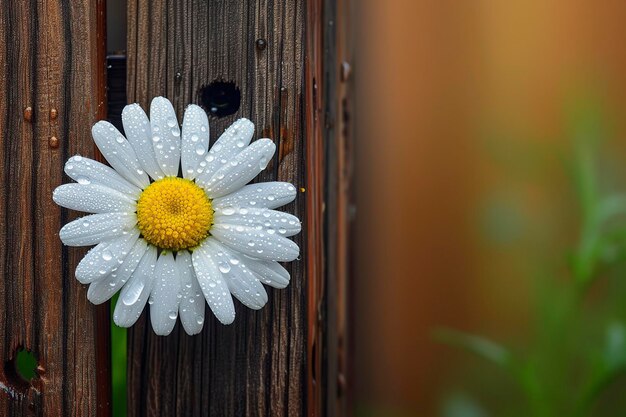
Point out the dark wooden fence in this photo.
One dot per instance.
(288, 63)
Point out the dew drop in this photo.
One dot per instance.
(106, 255)
(133, 293)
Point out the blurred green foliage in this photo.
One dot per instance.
(574, 364)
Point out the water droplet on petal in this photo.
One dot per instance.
(133, 293)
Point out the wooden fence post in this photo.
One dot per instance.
(52, 87)
(281, 64)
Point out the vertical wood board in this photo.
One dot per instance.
(286, 359)
(52, 86)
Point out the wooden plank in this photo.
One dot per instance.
(274, 361)
(52, 59)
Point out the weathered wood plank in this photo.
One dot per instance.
(283, 360)
(52, 61)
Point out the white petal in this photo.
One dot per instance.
(213, 285)
(93, 229)
(87, 171)
(165, 135)
(264, 194)
(195, 140)
(93, 198)
(233, 141)
(240, 170)
(242, 283)
(103, 289)
(139, 134)
(191, 309)
(256, 243)
(104, 258)
(271, 221)
(165, 293)
(269, 272)
(136, 292)
(119, 153)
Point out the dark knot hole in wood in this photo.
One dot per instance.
(220, 98)
(21, 369)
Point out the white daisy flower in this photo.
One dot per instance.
(171, 240)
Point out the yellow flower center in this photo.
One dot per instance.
(174, 213)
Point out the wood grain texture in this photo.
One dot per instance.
(51, 57)
(286, 359)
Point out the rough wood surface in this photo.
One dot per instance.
(51, 57)
(286, 359)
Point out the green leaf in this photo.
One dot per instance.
(611, 364)
(478, 345)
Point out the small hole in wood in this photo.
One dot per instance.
(25, 364)
(220, 98)
(21, 369)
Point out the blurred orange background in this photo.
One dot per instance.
(461, 185)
